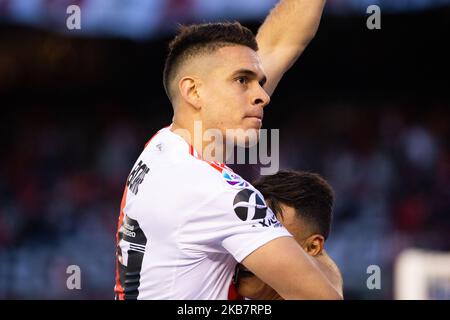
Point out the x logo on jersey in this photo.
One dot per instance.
(249, 205)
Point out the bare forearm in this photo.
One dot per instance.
(284, 36)
(331, 271)
(301, 278)
(291, 24)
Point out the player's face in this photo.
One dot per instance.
(299, 228)
(232, 94)
(251, 286)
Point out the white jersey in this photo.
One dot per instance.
(185, 223)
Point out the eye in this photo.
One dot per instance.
(242, 80)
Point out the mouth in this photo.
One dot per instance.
(256, 121)
(257, 114)
(255, 118)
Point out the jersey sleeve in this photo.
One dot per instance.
(233, 220)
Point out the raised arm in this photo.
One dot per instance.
(285, 34)
(289, 270)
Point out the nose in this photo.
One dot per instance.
(261, 98)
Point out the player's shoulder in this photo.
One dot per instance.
(178, 161)
(213, 176)
(217, 174)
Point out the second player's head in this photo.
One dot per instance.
(303, 203)
(213, 74)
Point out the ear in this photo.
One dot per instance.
(188, 87)
(314, 244)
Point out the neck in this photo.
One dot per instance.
(210, 146)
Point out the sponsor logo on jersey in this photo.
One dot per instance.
(248, 204)
(234, 180)
(270, 220)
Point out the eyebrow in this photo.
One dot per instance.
(251, 74)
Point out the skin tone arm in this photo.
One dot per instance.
(265, 292)
(303, 277)
(331, 271)
(285, 34)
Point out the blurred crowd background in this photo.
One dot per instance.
(367, 109)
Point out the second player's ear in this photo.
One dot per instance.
(188, 87)
(314, 244)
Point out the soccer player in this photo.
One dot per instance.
(185, 219)
(303, 203)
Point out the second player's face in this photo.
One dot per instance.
(251, 286)
(232, 93)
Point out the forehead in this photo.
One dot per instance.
(238, 57)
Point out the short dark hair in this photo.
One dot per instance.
(308, 193)
(200, 38)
